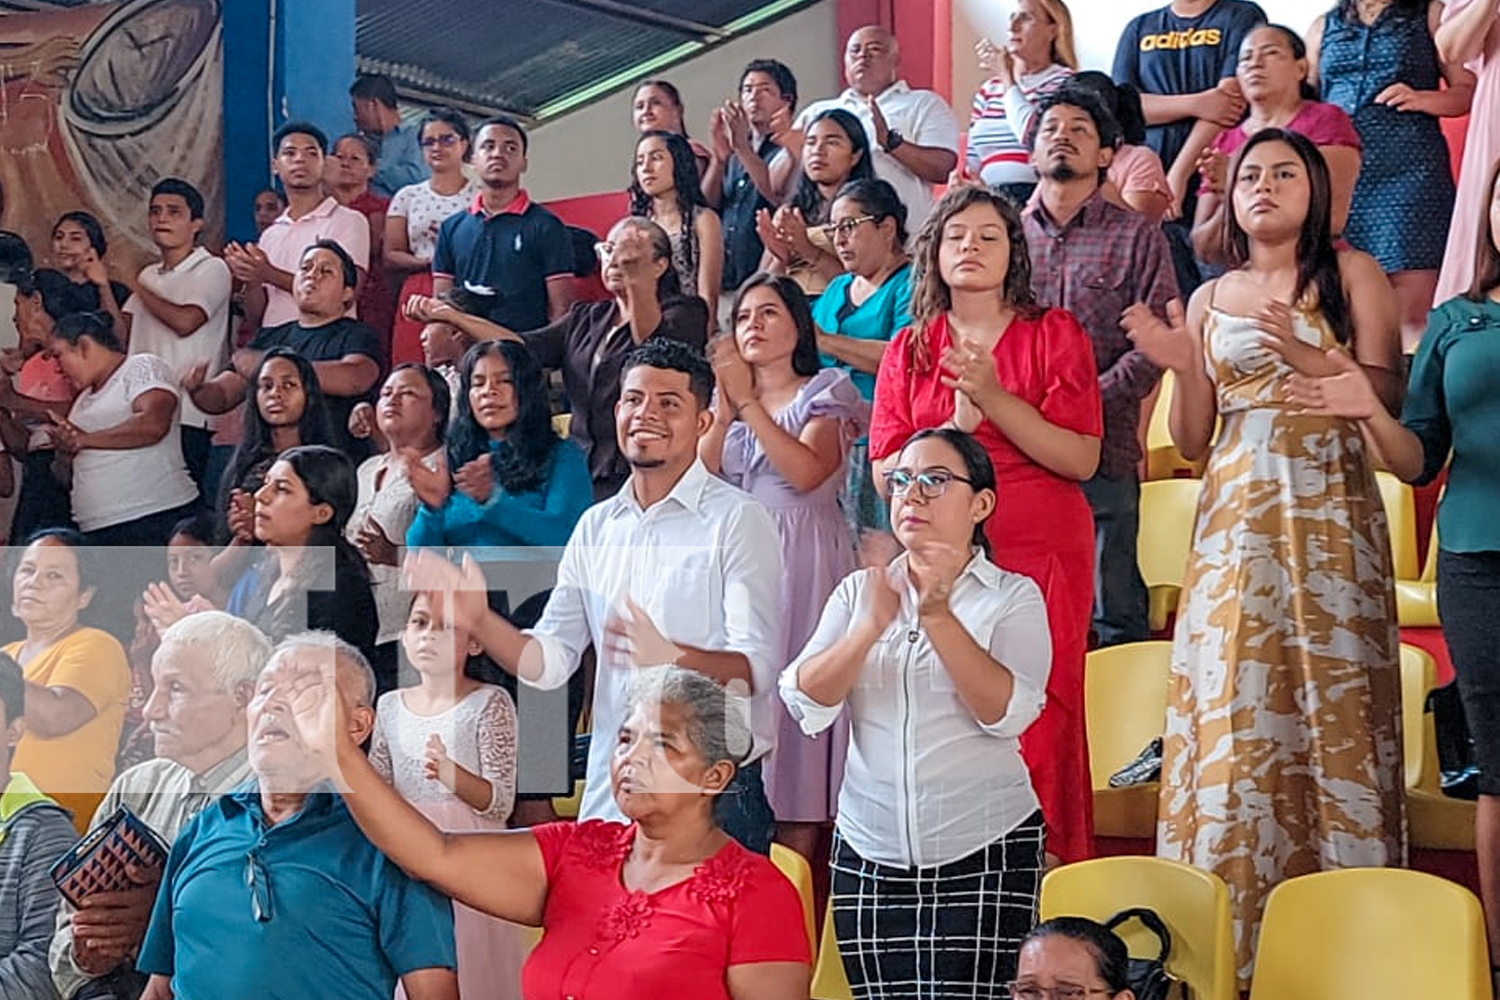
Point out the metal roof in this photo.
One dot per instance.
(538, 59)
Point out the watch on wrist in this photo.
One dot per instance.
(893, 140)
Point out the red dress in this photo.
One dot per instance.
(603, 940)
(1042, 526)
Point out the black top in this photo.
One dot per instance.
(330, 342)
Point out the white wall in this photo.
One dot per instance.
(590, 150)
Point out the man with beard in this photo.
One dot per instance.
(677, 568)
(272, 890)
(1095, 259)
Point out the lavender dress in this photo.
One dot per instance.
(802, 775)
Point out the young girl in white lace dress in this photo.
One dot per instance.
(448, 745)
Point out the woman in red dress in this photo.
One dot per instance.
(982, 356)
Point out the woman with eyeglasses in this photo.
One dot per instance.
(589, 341)
(835, 151)
(981, 355)
(414, 215)
(861, 310)
(1072, 958)
(940, 661)
(782, 431)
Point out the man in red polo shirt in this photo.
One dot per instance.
(514, 255)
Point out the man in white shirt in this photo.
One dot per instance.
(913, 133)
(678, 567)
(267, 268)
(179, 308)
(203, 676)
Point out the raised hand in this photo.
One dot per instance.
(879, 603)
(430, 485)
(968, 367)
(1165, 343)
(463, 586)
(361, 421)
(735, 378)
(241, 516)
(475, 479)
(772, 237)
(436, 764)
(635, 638)
(374, 545)
(1348, 394)
(941, 565)
(878, 123)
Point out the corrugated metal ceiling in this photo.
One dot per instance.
(540, 58)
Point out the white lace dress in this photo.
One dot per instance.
(480, 735)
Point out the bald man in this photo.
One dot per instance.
(273, 890)
(913, 133)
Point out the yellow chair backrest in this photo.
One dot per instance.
(1125, 703)
(1193, 903)
(1163, 460)
(1169, 508)
(1401, 517)
(1418, 728)
(562, 423)
(1371, 932)
(798, 872)
(566, 806)
(829, 981)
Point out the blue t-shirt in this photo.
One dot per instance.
(1161, 53)
(305, 908)
(879, 317)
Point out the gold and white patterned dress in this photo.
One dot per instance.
(1282, 753)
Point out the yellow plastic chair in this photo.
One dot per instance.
(829, 981)
(798, 872)
(562, 423)
(1194, 904)
(1416, 600)
(1434, 821)
(1168, 510)
(1401, 517)
(1371, 932)
(566, 806)
(1163, 460)
(1125, 708)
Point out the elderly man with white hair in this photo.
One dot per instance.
(273, 890)
(203, 675)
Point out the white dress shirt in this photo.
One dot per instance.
(704, 562)
(921, 116)
(925, 782)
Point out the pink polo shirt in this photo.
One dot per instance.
(285, 240)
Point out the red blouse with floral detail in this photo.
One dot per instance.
(604, 940)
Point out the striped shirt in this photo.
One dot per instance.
(997, 151)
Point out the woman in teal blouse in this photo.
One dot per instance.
(513, 480)
(862, 309)
(1452, 404)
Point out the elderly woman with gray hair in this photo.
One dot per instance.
(668, 904)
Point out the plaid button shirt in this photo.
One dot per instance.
(1100, 262)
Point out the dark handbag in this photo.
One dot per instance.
(1149, 979)
(124, 983)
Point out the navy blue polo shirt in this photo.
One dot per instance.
(1161, 53)
(506, 259)
(305, 908)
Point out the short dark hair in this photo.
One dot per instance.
(351, 270)
(1087, 102)
(977, 467)
(505, 121)
(878, 198)
(1120, 99)
(201, 527)
(87, 557)
(805, 359)
(370, 146)
(675, 356)
(442, 394)
(1111, 958)
(95, 324)
(451, 117)
(184, 190)
(16, 261)
(376, 87)
(12, 688)
(786, 80)
(299, 128)
(91, 226)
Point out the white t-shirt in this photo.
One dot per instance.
(921, 116)
(201, 280)
(112, 486)
(424, 211)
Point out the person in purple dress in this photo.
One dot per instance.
(782, 431)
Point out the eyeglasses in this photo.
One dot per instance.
(931, 483)
(259, 881)
(603, 249)
(1063, 991)
(845, 227)
(444, 140)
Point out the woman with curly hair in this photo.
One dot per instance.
(513, 480)
(665, 188)
(981, 355)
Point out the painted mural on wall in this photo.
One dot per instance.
(97, 103)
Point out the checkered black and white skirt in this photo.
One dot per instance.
(948, 932)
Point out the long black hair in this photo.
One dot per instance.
(978, 469)
(328, 476)
(807, 199)
(1317, 260)
(523, 461)
(687, 188)
(255, 447)
(805, 360)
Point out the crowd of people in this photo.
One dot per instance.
(832, 489)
